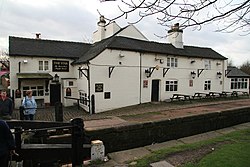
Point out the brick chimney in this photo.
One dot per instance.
(175, 36)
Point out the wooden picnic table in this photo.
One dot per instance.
(216, 94)
(200, 95)
(179, 97)
(226, 93)
(244, 93)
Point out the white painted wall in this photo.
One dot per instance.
(32, 66)
(132, 32)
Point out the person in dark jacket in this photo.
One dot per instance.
(6, 106)
(7, 144)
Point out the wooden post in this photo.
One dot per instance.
(77, 142)
(58, 112)
(93, 103)
(18, 140)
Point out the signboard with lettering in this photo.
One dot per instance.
(60, 66)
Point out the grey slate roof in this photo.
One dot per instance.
(124, 43)
(234, 72)
(83, 52)
(46, 48)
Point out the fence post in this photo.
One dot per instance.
(77, 142)
(93, 103)
(58, 112)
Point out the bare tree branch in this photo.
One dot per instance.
(231, 15)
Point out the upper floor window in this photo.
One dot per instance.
(239, 83)
(171, 85)
(207, 85)
(43, 65)
(207, 64)
(172, 62)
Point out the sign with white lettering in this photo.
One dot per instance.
(60, 66)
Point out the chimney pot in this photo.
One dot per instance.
(38, 35)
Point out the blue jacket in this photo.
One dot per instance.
(7, 141)
(30, 105)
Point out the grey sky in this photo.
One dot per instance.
(75, 20)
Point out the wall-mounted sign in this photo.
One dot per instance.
(107, 95)
(68, 92)
(145, 83)
(99, 87)
(191, 83)
(60, 66)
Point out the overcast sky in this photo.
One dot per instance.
(76, 20)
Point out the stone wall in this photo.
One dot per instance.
(138, 135)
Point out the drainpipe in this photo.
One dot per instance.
(19, 67)
(89, 97)
(140, 67)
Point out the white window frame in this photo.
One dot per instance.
(43, 65)
(239, 83)
(207, 85)
(83, 98)
(171, 85)
(172, 62)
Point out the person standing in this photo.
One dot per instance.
(7, 144)
(6, 106)
(29, 104)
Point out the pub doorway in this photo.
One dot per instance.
(155, 90)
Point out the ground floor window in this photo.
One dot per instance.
(36, 90)
(239, 83)
(83, 98)
(171, 85)
(207, 85)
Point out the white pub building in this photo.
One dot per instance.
(121, 68)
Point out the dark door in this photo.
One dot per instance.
(55, 93)
(155, 90)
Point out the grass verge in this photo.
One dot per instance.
(235, 152)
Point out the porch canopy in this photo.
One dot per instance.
(34, 76)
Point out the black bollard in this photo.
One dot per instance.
(58, 112)
(77, 142)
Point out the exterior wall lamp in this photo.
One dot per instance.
(148, 73)
(56, 78)
(193, 74)
(219, 74)
(150, 70)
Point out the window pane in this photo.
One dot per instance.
(40, 65)
(46, 65)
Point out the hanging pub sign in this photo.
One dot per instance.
(60, 66)
(99, 87)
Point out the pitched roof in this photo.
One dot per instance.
(124, 43)
(46, 48)
(83, 52)
(234, 72)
